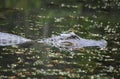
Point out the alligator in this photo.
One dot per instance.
(64, 41)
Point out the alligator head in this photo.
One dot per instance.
(71, 41)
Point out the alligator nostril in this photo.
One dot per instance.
(51, 40)
(4, 41)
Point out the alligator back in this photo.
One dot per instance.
(7, 39)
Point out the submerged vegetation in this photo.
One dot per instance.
(36, 19)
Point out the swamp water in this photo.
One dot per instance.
(31, 20)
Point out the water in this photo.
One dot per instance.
(90, 20)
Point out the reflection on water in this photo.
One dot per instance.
(90, 20)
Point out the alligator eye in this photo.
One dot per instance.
(73, 37)
(67, 44)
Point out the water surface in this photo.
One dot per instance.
(41, 19)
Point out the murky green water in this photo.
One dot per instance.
(38, 19)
